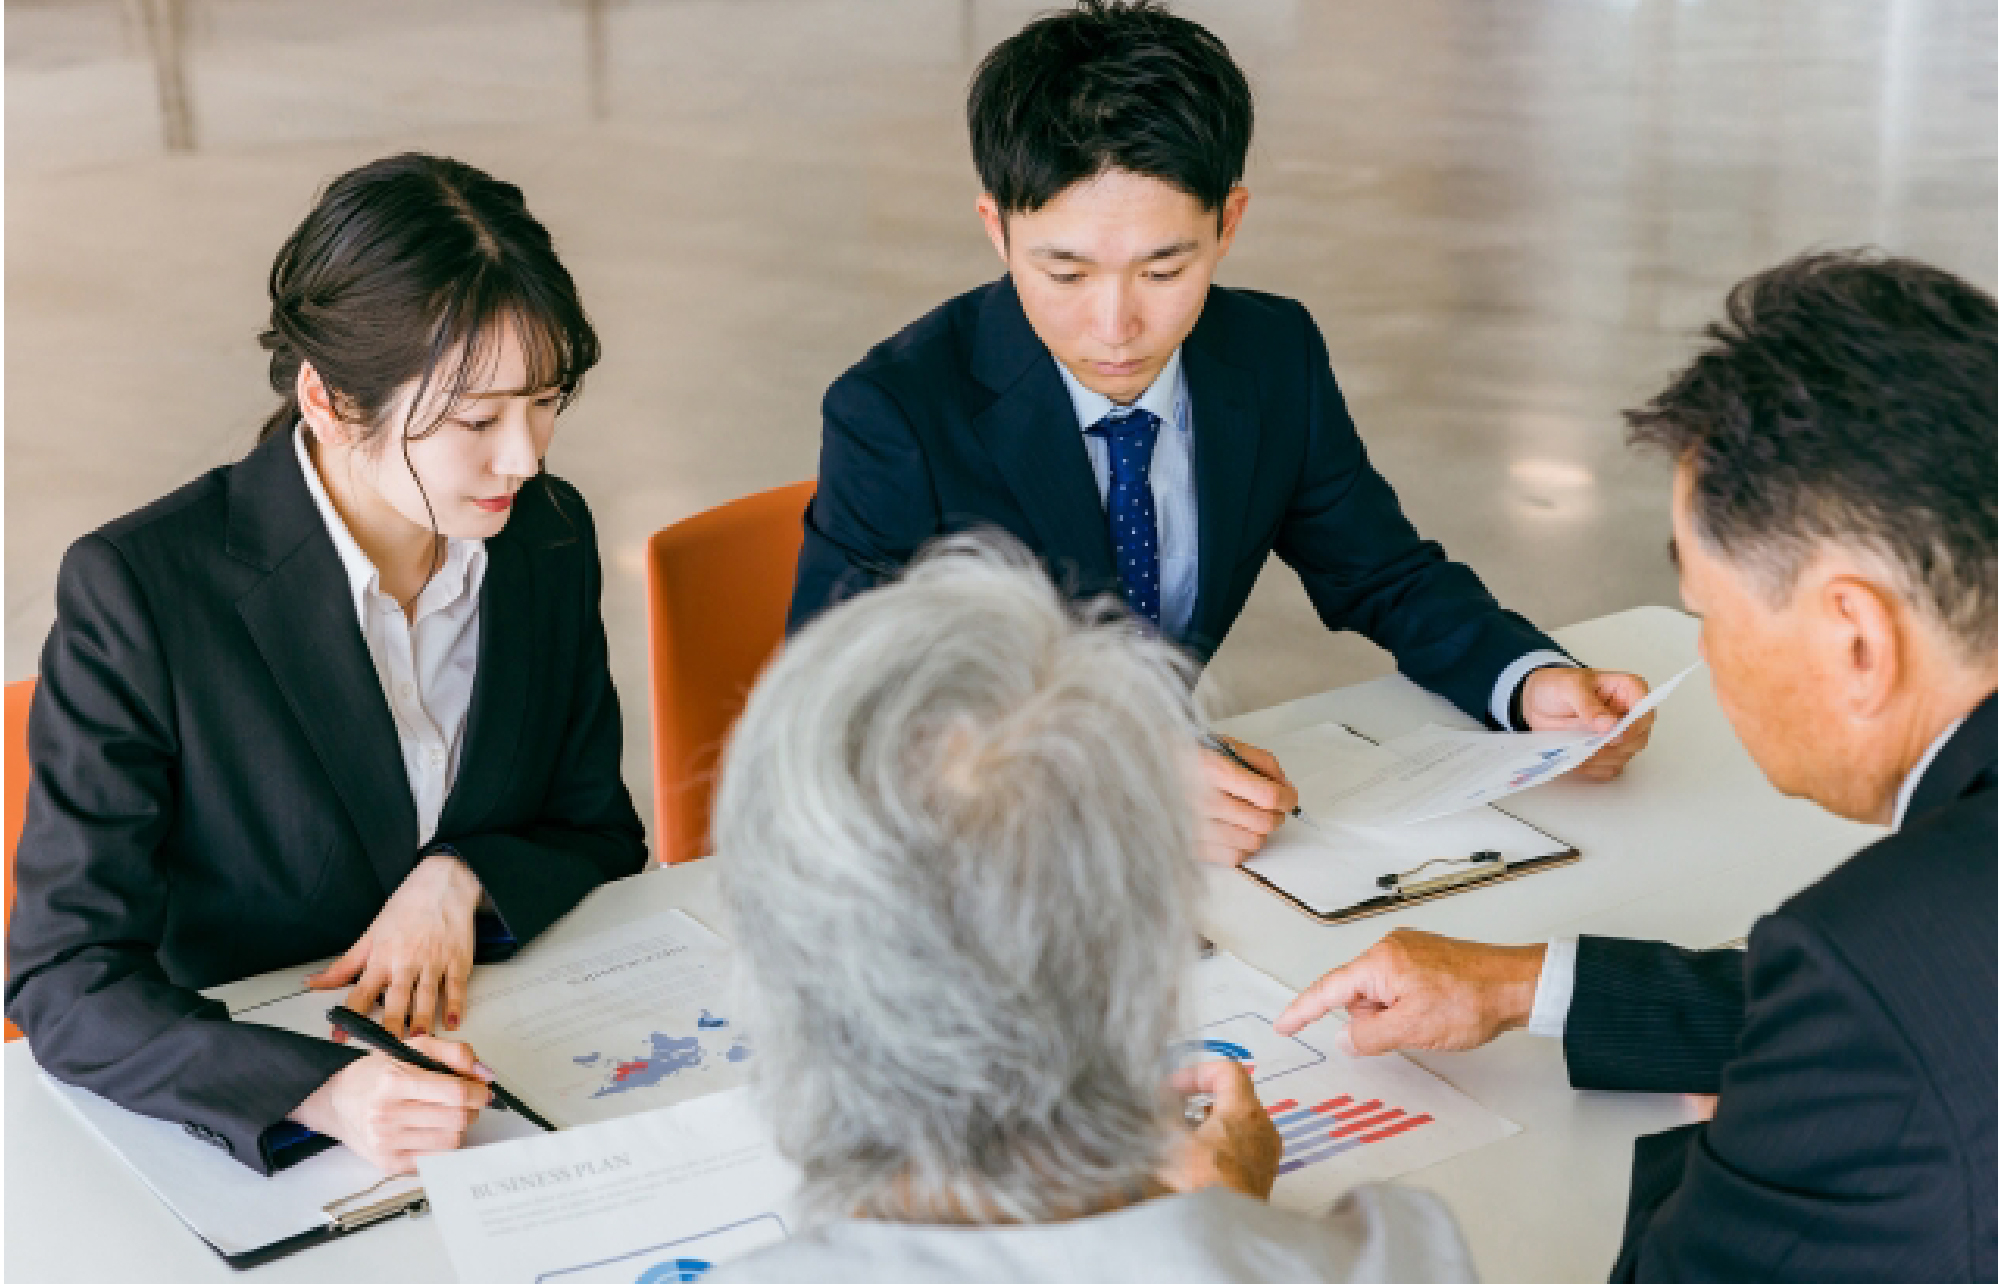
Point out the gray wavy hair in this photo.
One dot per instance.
(955, 835)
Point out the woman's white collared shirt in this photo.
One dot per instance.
(426, 659)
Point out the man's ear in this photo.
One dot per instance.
(1231, 214)
(1866, 627)
(995, 226)
(315, 406)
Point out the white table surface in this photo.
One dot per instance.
(1690, 846)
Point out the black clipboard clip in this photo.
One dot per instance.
(1475, 868)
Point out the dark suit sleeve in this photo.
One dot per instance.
(875, 504)
(1651, 1017)
(1366, 569)
(587, 831)
(1803, 1172)
(84, 978)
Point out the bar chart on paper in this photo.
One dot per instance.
(1343, 1120)
(1315, 1133)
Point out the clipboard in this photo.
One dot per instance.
(1442, 857)
(344, 1216)
(328, 1196)
(330, 1192)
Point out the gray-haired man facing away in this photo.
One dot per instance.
(957, 840)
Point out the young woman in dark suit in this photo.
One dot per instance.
(347, 697)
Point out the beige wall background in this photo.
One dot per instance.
(1507, 218)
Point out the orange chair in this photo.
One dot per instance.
(19, 696)
(717, 588)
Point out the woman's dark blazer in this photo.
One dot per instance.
(218, 790)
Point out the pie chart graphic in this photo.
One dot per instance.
(676, 1271)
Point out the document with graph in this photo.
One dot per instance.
(654, 1198)
(630, 1019)
(1343, 1119)
(626, 1020)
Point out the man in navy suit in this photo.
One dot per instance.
(1146, 432)
(1835, 525)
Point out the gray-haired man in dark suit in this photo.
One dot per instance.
(1835, 524)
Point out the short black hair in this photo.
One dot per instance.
(1848, 396)
(1109, 84)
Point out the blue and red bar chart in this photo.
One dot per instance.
(1342, 1119)
(1314, 1133)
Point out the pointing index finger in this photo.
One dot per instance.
(1339, 988)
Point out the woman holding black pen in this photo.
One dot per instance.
(346, 697)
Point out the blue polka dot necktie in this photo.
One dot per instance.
(1134, 522)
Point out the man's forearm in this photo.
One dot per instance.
(1651, 1017)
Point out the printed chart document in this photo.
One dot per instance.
(1344, 1120)
(1343, 779)
(626, 1021)
(665, 1195)
(631, 1019)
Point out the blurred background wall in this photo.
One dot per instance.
(1508, 218)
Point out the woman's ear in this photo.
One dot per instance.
(315, 406)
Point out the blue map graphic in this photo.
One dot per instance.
(667, 1055)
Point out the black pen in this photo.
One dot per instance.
(381, 1040)
(1226, 750)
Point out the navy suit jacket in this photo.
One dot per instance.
(217, 789)
(962, 422)
(1855, 1050)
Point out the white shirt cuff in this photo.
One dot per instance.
(1556, 990)
(1515, 673)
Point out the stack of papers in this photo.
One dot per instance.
(1436, 771)
(669, 1194)
(629, 1020)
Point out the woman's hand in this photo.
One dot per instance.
(389, 1113)
(418, 947)
(1237, 1147)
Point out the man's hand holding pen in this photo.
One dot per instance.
(1246, 797)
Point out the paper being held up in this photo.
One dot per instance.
(1437, 771)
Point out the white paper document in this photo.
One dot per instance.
(656, 1197)
(631, 1019)
(1343, 780)
(1343, 1120)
